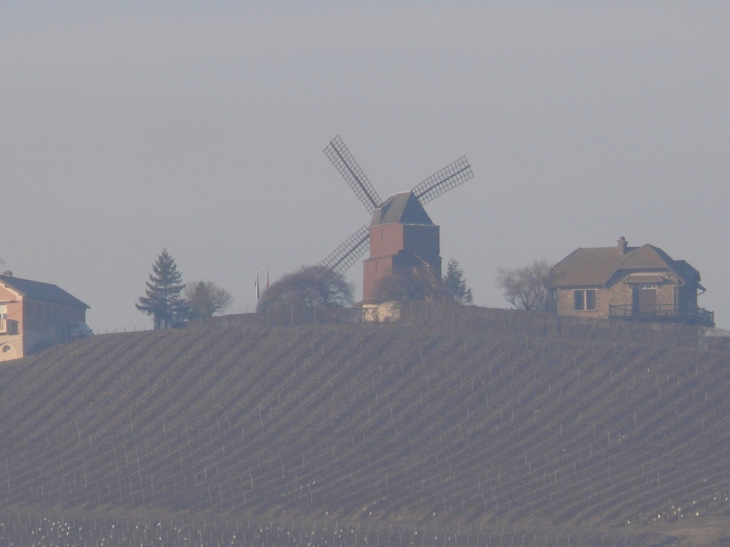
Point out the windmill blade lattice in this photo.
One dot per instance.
(341, 158)
(348, 253)
(441, 182)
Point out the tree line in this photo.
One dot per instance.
(316, 287)
(525, 288)
(171, 302)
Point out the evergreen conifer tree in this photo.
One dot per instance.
(163, 301)
(455, 284)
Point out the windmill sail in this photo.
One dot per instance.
(441, 182)
(341, 158)
(342, 258)
(348, 253)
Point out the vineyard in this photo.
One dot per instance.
(360, 435)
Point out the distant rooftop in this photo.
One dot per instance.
(402, 208)
(596, 266)
(46, 292)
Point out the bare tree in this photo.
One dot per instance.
(309, 288)
(412, 284)
(527, 288)
(205, 298)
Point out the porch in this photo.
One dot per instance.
(687, 313)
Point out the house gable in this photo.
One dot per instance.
(603, 266)
(587, 267)
(8, 295)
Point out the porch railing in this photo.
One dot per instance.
(669, 312)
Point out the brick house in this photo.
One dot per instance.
(634, 283)
(33, 315)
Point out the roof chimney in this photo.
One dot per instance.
(622, 245)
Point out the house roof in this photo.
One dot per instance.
(46, 292)
(597, 267)
(644, 278)
(403, 208)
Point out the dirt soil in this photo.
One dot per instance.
(698, 532)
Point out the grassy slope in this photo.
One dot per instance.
(367, 424)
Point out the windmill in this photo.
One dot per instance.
(400, 234)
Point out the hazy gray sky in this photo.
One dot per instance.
(129, 128)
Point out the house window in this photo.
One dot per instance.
(3, 311)
(584, 300)
(6, 348)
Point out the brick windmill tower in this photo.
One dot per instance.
(401, 235)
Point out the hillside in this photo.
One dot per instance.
(360, 435)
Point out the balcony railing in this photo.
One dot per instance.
(687, 313)
(8, 326)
